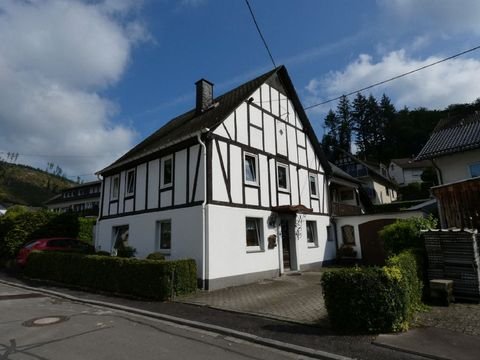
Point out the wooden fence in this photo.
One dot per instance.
(459, 203)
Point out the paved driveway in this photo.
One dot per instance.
(296, 297)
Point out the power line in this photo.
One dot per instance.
(394, 78)
(260, 33)
(55, 156)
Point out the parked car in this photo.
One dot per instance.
(53, 244)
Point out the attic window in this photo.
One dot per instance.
(312, 179)
(251, 169)
(130, 189)
(115, 187)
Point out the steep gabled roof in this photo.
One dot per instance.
(452, 135)
(372, 171)
(191, 123)
(340, 174)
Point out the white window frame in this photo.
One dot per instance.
(163, 184)
(259, 230)
(315, 178)
(158, 237)
(287, 178)
(115, 194)
(314, 243)
(255, 157)
(470, 168)
(130, 193)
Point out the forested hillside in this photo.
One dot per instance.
(20, 184)
(380, 132)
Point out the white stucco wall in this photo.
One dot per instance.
(228, 254)
(186, 233)
(355, 221)
(381, 193)
(455, 167)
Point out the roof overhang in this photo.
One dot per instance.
(292, 209)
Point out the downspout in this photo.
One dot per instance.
(439, 171)
(204, 209)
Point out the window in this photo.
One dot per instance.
(312, 179)
(346, 195)
(164, 235)
(474, 169)
(115, 187)
(312, 239)
(348, 235)
(282, 177)
(119, 238)
(167, 171)
(251, 169)
(330, 234)
(254, 234)
(130, 189)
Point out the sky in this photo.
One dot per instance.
(81, 82)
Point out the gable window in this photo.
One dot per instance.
(312, 179)
(253, 227)
(167, 171)
(115, 187)
(130, 188)
(251, 169)
(474, 169)
(282, 177)
(164, 236)
(312, 238)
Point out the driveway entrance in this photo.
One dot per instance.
(295, 297)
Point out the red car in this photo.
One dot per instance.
(53, 244)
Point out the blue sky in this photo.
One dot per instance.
(83, 81)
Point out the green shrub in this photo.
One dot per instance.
(85, 231)
(156, 256)
(140, 278)
(126, 252)
(102, 253)
(406, 234)
(410, 264)
(374, 299)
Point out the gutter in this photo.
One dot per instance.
(204, 209)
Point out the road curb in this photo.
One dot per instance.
(301, 350)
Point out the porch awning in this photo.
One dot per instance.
(291, 209)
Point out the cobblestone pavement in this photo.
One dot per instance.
(463, 318)
(296, 297)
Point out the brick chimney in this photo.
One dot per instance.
(204, 95)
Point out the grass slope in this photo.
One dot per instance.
(20, 184)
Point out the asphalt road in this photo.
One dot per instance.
(29, 330)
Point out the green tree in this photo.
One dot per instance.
(343, 114)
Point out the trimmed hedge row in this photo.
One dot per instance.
(373, 299)
(140, 278)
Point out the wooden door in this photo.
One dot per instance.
(373, 250)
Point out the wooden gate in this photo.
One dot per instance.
(373, 250)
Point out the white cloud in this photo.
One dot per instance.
(446, 16)
(55, 58)
(435, 87)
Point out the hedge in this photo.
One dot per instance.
(373, 299)
(140, 278)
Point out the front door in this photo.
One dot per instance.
(285, 244)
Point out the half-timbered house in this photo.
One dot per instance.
(239, 183)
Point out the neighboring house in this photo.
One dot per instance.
(380, 189)
(347, 197)
(454, 148)
(407, 171)
(239, 184)
(83, 198)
